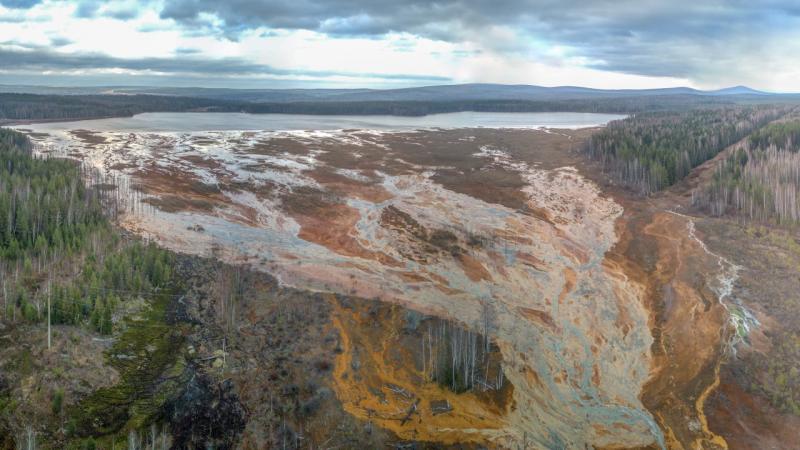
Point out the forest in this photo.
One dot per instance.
(49, 221)
(62, 262)
(44, 206)
(760, 179)
(651, 151)
(23, 107)
(622, 105)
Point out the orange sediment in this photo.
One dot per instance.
(384, 384)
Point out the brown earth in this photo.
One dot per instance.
(88, 137)
(31, 374)
(748, 421)
(327, 222)
(698, 395)
(689, 326)
(309, 345)
(749, 407)
(687, 323)
(348, 187)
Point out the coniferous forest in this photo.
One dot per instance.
(49, 219)
(20, 107)
(760, 179)
(648, 152)
(63, 263)
(23, 107)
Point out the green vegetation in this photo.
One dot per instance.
(649, 152)
(44, 206)
(778, 376)
(58, 401)
(781, 134)
(148, 357)
(771, 256)
(60, 259)
(759, 180)
(135, 271)
(49, 220)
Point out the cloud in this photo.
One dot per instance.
(60, 41)
(41, 60)
(20, 4)
(187, 51)
(122, 13)
(680, 38)
(23, 44)
(708, 43)
(120, 10)
(336, 17)
(87, 9)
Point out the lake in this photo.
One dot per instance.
(192, 122)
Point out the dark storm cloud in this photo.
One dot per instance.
(347, 17)
(618, 18)
(37, 60)
(680, 38)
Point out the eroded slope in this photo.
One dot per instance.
(488, 228)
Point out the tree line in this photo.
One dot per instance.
(648, 152)
(21, 107)
(60, 259)
(760, 179)
(618, 105)
(44, 204)
(79, 270)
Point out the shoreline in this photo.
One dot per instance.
(364, 117)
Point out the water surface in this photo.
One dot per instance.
(190, 122)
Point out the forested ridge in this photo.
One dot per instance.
(648, 152)
(21, 107)
(619, 105)
(759, 180)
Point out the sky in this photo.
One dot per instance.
(617, 44)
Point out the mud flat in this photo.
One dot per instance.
(604, 319)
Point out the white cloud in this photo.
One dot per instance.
(495, 54)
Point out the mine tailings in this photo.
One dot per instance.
(685, 287)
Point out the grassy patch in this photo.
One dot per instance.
(149, 357)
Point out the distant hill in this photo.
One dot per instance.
(738, 90)
(20, 103)
(441, 93)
